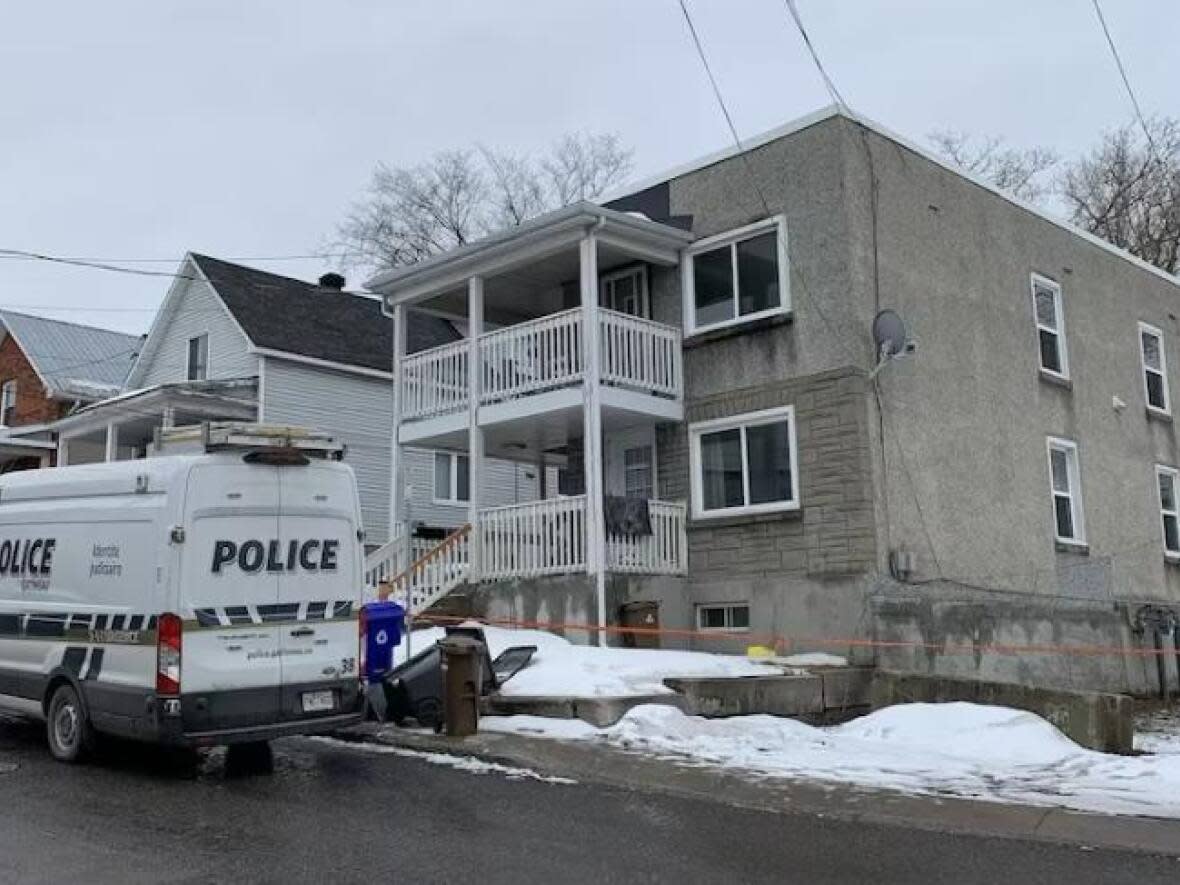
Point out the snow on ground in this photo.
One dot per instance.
(813, 659)
(460, 763)
(561, 668)
(956, 749)
(1158, 732)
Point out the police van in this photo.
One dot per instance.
(208, 595)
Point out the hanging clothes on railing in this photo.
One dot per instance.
(627, 517)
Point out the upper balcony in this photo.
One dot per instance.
(557, 317)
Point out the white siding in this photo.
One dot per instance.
(505, 482)
(359, 411)
(356, 409)
(197, 311)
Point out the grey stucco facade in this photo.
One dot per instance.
(944, 456)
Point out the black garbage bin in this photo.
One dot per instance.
(415, 689)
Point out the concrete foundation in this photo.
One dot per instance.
(827, 696)
(1099, 721)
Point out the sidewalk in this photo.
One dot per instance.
(586, 762)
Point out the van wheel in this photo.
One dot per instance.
(70, 734)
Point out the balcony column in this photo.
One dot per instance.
(112, 449)
(475, 446)
(592, 427)
(397, 485)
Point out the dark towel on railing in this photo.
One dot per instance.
(629, 517)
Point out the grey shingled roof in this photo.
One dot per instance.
(281, 313)
(75, 361)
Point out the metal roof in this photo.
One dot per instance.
(74, 361)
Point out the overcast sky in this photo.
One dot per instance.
(143, 129)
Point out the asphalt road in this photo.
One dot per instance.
(332, 813)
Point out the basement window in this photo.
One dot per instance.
(736, 277)
(1066, 487)
(1050, 327)
(731, 617)
(1169, 509)
(1155, 369)
(452, 478)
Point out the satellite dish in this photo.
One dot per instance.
(889, 334)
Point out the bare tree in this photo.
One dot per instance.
(457, 196)
(1022, 172)
(1127, 191)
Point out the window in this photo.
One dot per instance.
(744, 464)
(1066, 486)
(1050, 326)
(7, 403)
(736, 277)
(638, 479)
(452, 483)
(198, 358)
(626, 291)
(1169, 509)
(1155, 368)
(726, 616)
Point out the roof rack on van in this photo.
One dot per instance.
(222, 436)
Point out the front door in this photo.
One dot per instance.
(626, 291)
(630, 466)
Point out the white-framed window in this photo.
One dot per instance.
(1155, 369)
(452, 478)
(1066, 487)
(733, 617)
(197, 366)
(1050, 322)
(1168, 480)
(639, 472)
(744, 464)
(7, 402)
(736, 277)
(625, 290)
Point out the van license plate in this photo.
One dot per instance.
(318, 701)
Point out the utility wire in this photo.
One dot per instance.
(1126, 80)
(828, 83)
(89, 259)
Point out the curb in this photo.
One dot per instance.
(635, 771)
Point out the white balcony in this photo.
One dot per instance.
(639, 368)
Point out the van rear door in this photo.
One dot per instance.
(318, 525)
(231, 669)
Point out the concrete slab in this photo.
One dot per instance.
(600, 712)
(794, 695)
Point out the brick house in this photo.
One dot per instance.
(703, 342)
(48, 369)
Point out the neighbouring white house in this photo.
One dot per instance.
(235, 343)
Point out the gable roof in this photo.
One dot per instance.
(284, 314)
(73, 361)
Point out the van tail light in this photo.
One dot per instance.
(168, 641)
(362, 629)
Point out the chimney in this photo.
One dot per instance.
(332, 280)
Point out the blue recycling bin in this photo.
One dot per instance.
(384, 622)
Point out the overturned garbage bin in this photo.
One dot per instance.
(462, 666)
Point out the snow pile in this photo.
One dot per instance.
(560, 668)
(965, 750)
(813, 659)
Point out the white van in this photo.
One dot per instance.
(192, 599)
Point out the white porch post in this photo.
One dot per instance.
(112, 451)
(63, 451)
(592, 428)
(475, 447)
(397, 486)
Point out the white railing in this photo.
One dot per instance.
(532, 357)
(538, 538)
(435, 382)
(419, 572)
(639, 354)
(663, 552)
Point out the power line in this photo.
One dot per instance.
(1126, 80)
(828, 83)
(90, 259)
